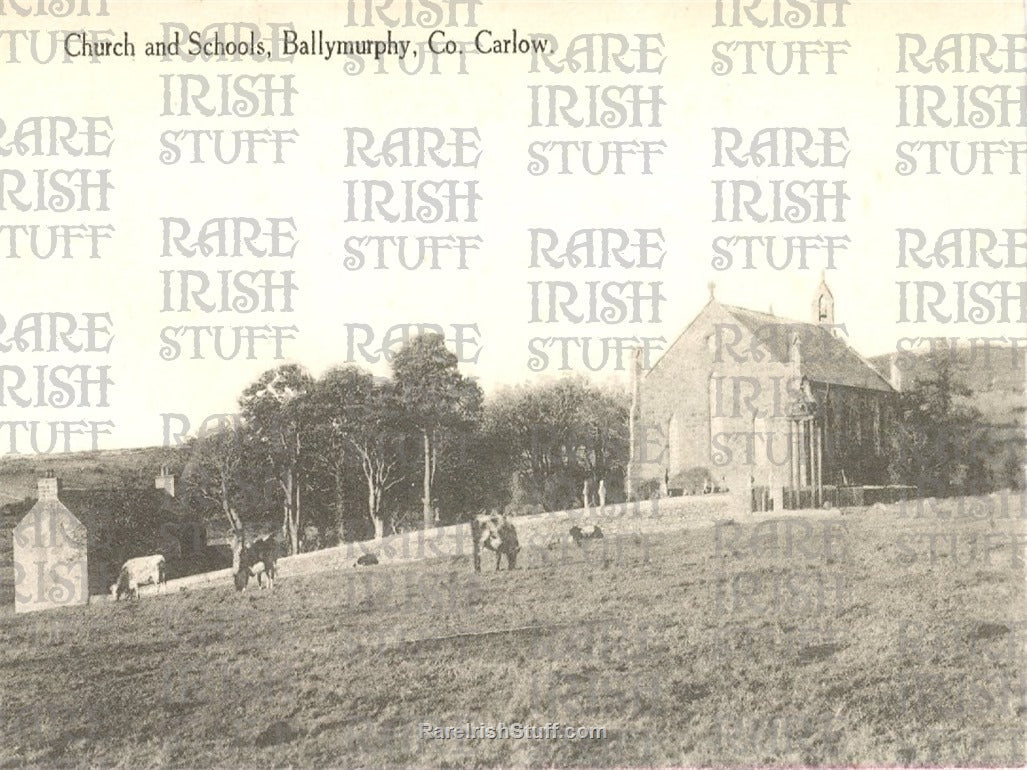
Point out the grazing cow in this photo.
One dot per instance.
(140, 571)
(495, 532)
(257, 560)
(367, 560)
(578, 534)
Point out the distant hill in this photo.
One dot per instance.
(101, 469)
(998, 387)
(998, 378)
(998, 381)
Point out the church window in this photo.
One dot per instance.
(877, 426)
(674, 443)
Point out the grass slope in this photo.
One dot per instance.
(867, 650)
(100, 469)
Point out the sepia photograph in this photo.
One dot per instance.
(507, 384)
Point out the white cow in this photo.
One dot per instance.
(140, 571)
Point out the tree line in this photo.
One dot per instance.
(359, 456)
(944, 446)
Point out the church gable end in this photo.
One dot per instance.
(709, 384)
(763, 403)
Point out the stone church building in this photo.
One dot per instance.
(781, 412)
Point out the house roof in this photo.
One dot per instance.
(47, 511)
(124, 501)
(98, 509)
(823, 357)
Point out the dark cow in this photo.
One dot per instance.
(257, 560)
(495, 532)
(578, 534)
(367, 560)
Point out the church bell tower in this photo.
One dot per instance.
(823, 303)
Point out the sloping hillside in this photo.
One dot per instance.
(98, 485)
(998, 379)
(101, 469)
(874, 646)
(1001, 370)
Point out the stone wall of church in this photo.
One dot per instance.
(716, 401)
(698, 403)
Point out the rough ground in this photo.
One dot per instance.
(856, 639)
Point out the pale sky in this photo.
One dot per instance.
(495, 99)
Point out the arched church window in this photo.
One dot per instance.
(674, 443)
(877, 426)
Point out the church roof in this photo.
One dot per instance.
(823, 356)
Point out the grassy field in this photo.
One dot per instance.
(871, 638)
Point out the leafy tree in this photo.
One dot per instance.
(378, 443)
(360, 423)
(1013, 469)
(603, 437)
(939, 443)
(127, 522)
(538, 423)
(476, 476)
(559, 434)
(336, 400)
(216, 473)
(276, 411)
(437, 399)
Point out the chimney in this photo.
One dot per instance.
(49, 487)
(895, 372)
(165, 481)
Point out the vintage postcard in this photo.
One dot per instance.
(495, 383)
